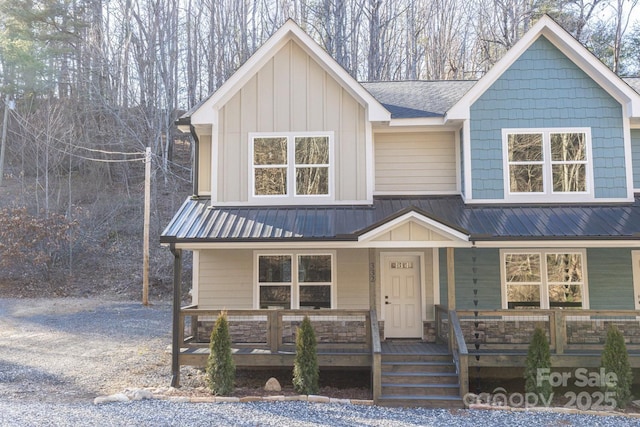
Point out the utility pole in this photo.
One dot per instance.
(3, 142)
(147, 217)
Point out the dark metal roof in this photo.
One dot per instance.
(196, 221)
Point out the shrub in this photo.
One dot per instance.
(538, 357)
(305, 366)
(221, 370)
(31, 242)
(615, 360)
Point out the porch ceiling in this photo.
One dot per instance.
(198, 222)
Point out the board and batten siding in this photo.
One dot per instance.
(415, 162)
(292, 93)
(225, 279)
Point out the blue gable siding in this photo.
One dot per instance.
(635, 155)
(544, 89)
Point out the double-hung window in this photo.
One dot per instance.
(544, 279)
(290, 165)
(295, 280)
(552, 163)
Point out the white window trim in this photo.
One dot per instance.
(548, 195)
(295, 285)
(291, 197)
(544, 285)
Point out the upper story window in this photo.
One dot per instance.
(291, 165)
(544, 279)
(547, 162)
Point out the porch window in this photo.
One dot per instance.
(299, 280)
(314, 279)
(547, 162)
(291, 165)
(274, 278)
(544, 279)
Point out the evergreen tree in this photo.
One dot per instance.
(538, 357)
(221, 370)
(305, 366)
(615, 360)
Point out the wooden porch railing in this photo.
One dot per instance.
(274, 330)
(460, 353)
(568, 330)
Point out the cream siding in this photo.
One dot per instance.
(415, 162)
(204, 164)
(225, 279)
(353, 279)
(411, 232)
(291, 93)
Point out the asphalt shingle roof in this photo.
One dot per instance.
(196, 221)
(418, 98)
(634, 82)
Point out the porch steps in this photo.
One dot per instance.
(424, 380)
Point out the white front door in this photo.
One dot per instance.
(401, 296)
(635, 257)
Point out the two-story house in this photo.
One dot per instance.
(400, 215)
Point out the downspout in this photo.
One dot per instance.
(196, 159)
(177, 299)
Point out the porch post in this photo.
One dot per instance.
(177, 299)
(373, 298)
(451, 294)
(451, 280)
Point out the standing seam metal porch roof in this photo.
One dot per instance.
(197, 221)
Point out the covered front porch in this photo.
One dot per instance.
(399, 277)
(467, 343)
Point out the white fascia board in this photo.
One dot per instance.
(568, 45)
(510, 244)
(558, 244)
(436, 226)
(419, 121)
(291, 31)
(545, 199)
(595, 69)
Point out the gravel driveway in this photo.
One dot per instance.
(56, 355)
(71, 350)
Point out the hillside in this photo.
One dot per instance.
(104, 255)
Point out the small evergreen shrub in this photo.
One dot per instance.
(305, 366)
(615, 360)
(221, 370)
(538, 357)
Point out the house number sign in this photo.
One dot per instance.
(404, 265)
